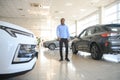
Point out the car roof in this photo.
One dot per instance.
(104, 25)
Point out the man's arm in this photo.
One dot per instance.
(68, 34)
(58, 33)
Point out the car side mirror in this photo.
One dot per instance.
(79, 37)
(75, 36)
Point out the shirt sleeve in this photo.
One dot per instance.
(68, 34)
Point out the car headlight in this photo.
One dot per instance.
(13, 32)
(25, 53)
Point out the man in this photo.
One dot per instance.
(63, 37)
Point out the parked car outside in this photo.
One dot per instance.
(17, 51)
(98, 40)
(53, 44)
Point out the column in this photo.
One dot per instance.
(75, 27)
(101, 15)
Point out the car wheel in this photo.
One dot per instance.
(95, 52)
(74, 49)
(51, 46)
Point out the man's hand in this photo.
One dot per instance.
(59, 39)
(68, 40)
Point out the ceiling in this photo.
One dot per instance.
(55, 9)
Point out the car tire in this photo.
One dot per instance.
(74, 49)
(52, 46)
(96, 52)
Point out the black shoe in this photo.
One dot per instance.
(67, 59)
(61, 60)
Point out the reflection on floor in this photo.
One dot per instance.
(79, 68)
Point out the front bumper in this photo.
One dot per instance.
(21, 61)
(16, 68)
(111, 50)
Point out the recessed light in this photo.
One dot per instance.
(82, 10)
(68, 4)
(35, 4)
(95, 1)
(74, 16)
(22, 15)
(61, 12)
(20, 9)
(45, 7)
(56, 17)
(56, 11)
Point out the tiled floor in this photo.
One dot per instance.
(79, 68)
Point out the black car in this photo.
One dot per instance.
(98, 40)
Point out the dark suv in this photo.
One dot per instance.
(98, 40)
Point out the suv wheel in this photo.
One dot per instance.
(95, 52)
(74, 49)
(51, 46)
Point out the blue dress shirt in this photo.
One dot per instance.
(63, 32)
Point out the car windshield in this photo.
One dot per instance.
(113, 28)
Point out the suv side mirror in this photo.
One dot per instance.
(75, 36)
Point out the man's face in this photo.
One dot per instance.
(62, 21)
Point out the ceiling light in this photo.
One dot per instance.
(56, 17)
(35, 5)
(20, 9)
(56, 12)
(61, 12)
(74, 16)
(22, 15)
(95, 1)
(68, 4)
(45, 7)
(42, 12)
(82, 10)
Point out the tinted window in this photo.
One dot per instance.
(87, 32)
(112, 28)
(83, 34)
(97, 29)
(90, 31)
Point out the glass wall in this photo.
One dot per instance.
(89, 21)
(111, 15)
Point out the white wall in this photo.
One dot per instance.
(44, 28)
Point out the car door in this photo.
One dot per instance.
(88, 38)
(85, 39)
(81, 40)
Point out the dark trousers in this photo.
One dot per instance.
(65, 41)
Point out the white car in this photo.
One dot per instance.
(17, 49)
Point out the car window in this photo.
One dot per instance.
(97, 29)
(87, 32)
(112, 28)
(83, 34)
(90, 31)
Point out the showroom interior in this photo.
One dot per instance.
(39, 20)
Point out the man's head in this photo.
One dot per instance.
(62, 21)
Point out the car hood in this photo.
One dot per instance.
(74, 40)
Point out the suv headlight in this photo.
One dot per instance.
(25, 53)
